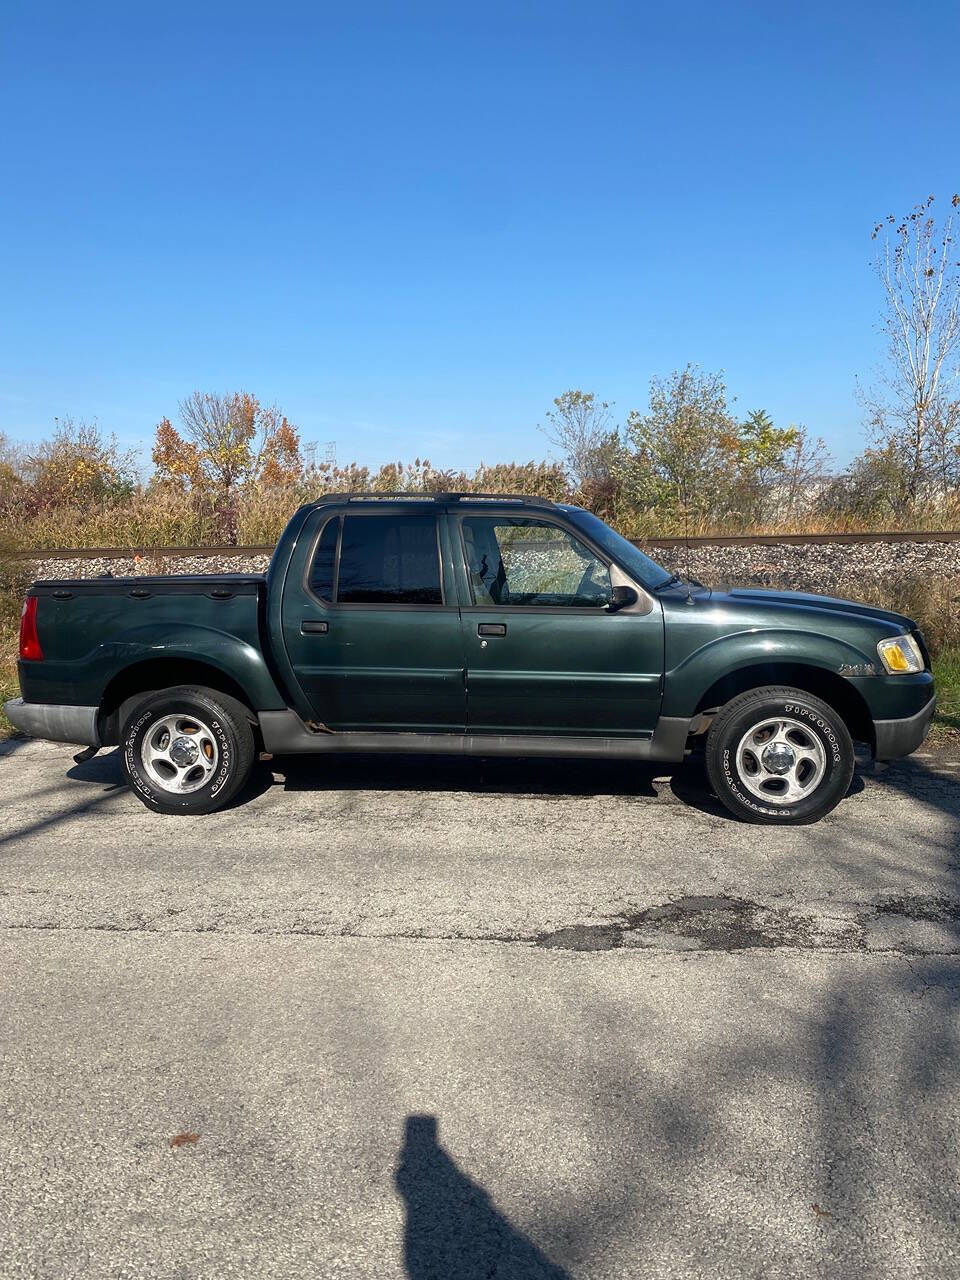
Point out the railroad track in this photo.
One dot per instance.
(731, 540)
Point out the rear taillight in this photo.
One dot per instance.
(29, 640)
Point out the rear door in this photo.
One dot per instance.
(543, 652)
(371, 624)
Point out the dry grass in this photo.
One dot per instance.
(932, 602)
(164, 517)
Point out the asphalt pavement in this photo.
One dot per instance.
(448, 1018)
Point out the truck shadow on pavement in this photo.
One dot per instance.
(687, 783)
(503, 775)
(452, 1228)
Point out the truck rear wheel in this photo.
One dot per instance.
(779, 756)
(187, 750)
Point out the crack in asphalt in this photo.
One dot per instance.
(702, 923)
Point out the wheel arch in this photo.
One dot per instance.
(155, 674)
(830, 687)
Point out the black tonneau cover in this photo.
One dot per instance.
(186, 584)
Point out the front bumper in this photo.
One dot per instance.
(54, 721)
(895, 738)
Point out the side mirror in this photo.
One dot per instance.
(620, 597)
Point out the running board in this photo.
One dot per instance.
(284, 733)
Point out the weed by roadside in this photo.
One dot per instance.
(12, 584)
(946, 671)
(9, 688)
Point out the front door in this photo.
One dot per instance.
(544, 654)
(372, 630)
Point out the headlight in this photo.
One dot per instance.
(900, 655)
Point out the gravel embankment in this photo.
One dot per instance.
(824, 567)
(830, 568)
(123, 566)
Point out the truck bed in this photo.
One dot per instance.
(92, 628)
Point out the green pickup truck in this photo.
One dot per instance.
(470, 624)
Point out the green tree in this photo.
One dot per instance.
(78, 467)
(686, 449)
(763, 449)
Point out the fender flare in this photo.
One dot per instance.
(238, 661)
(685, 683)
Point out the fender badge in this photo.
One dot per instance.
(857, 669)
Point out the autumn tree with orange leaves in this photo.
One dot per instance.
(227, 447)
(225, 443)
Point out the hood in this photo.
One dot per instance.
(754, 597)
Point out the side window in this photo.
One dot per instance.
(532, 562)
(391, 559)
(324, 559)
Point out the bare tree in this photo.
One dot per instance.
(803, 475)
(580, 425)
(917, 265)
(221, 435)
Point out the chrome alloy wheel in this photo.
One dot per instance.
(179, 753)
(781, 761)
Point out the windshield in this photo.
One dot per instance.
(646, 571)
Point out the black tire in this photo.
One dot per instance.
(214, 726)
(823, 757)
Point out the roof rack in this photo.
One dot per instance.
(406, 496)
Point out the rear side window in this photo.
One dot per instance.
(388, 560)
(324, 560)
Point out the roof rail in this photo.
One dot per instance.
(407, 496)
(530, 499)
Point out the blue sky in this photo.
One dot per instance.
(413, 225)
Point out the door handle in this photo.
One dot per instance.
(314, 627)
(492, 629)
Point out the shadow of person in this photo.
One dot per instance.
(453, 1231)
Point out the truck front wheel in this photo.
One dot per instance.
(187, 750)
(779, 756)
